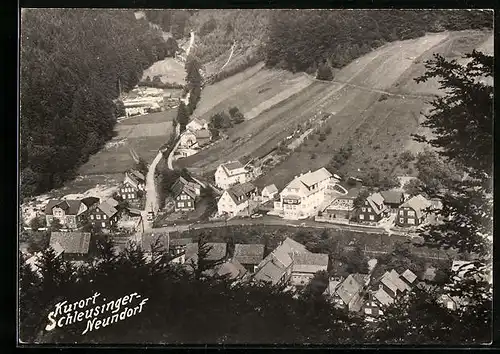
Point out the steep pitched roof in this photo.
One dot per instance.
(332, 287)
(239, 192)
(107, 209)
(71, 242)
(180, 241)
(310, 262)
(69, 206)
(392, 197)
(232, 269)
(152, 239)
(232, 165)
(409, 276)
(383, 297)
(376, 201)
(89, 201)
(402, 286)
(349, 288)
(138, 175)
(270, 189)
(417, 203)
(203, 134)
(317, 176)
(270, 272)
(248, 253)
(217, 250)
(181, 185)
(387, 281)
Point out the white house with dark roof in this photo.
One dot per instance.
(237, 199)
(304, 195)
(70, 213)
(268, 192)
(231, 173)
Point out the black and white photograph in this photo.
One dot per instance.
(218, 177)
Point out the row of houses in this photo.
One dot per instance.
(72, 214)
(143, 100)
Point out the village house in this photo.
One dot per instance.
(217, 251)
(349, 292)
(133, 185)
(342, 207)
(230, 173)
(393, 199)
(269, 192)
(177, 249)
(203, 137)
(185, 194)
(249, 255)
(197, 124)
(106, 214)
(305, 265)
(276, 268)
(231, 269)
(75, 244)
(70, 213)
(373, 209)
(412, 212)
(237, 199)
(331, 292)
(195, 139)
(303, 196)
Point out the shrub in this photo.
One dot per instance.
(386, 156)
(322, 137)
(313, 156)
(383, 97)
(328, 130)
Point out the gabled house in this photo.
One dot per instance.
(185, 194)
(372, 304)
(409, 277)
(237, 199)
(231, 269)
(305, 265)
(303, 196)
(373, 209)
(132, 186)
(216, 251)
(70, 213)
(391, 286)
(187, 140)
(177, 249)
(269, 192)
(276, 268)
(331, 292)
(74, 244)
(197, 124)
(249, 255)
(106, 214)
(342, 207)
(393, 199)
(412, 212)
(231, 173)
(203, 137)
(351, 291)
(450, 302)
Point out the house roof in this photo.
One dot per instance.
(89, 201)
(409, 276)
(199, 121)
(138, 175)
(332, 287)
(383, 297)
(402, 286)
(392, 197)
(71, 242)
(349, 288)
(233, 269)
(232, 165)
(69, 206)
(151, 239)
(135, 211)
(317, 176)
(418, 203)
(204, 133)
(107, 209)
(217, 250)
(180, 241)
(310, 262)
(387, 281)
(248, 253)
(239, 192)
(270, 189)
(270, 272)
(182, 185)
(376, 201)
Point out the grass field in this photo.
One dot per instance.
(169, 70)
(379, 125)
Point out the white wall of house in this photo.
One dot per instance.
(222, 180)
(187, 139)
(227, 205)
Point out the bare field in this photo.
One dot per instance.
(169, 70)
(157, 117)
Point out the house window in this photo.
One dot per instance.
(130, 196)
(369, 210)
(401, 212)
(401, 220)
(98, 217)
(411, 213)
(372, 217)
(363, 209)
(411, 221)
(92, 217)
(188, 203)
(103, 224)
(368, 311)
(361, 217)
(181, 204)
(449, 305)
(104, 217)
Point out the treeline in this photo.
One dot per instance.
(71, 63)
(173, 21)
(302, 40)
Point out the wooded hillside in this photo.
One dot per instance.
(71, 61)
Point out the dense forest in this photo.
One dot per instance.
(71, 62)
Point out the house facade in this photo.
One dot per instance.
(70, 213)
(105, 215)
(269, 192)
(188, 140)
(303, 196)
(230, 173)
(373, 209)
(184, 194)
(236, 199)
(412, 212)
(342, 207)
(133, 185)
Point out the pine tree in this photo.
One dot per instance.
(182, 116)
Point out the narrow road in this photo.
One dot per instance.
(151, 194)
(191, 42)
(230, 56)
(171, 155)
